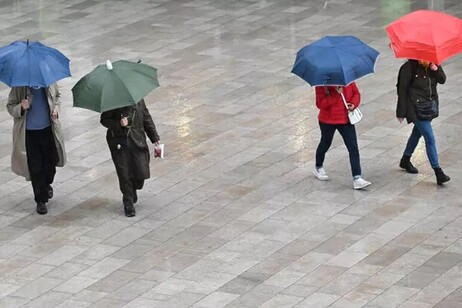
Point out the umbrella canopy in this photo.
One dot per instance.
(335, 60)
(114, 85)
(426, 35)
(32, 64)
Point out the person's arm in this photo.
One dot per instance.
(56, 96)
(325, 100)
(403, 88)
(356, 97)
(149, 126)
(439, 74)
(14, 106)
(111, 119)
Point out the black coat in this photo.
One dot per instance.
(128, 146)
(416, 84)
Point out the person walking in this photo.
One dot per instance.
(333, 116)
(418, 103)
(38, 142)
(127, 128)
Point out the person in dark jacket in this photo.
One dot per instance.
(417, 83)
(333, 116)
(126, 138)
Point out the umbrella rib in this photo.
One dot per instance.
(11, 62)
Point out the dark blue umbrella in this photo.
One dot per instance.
(335, 60)
(32, 64)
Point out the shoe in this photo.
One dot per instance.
(360, 183)
(50, 192)
(41, 208)
(135, 196)
(406, 164)
(320, 173)
(129, 210)
(440, 176)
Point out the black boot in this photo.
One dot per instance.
(41, 208)
(129, 210)
(440, 176)
(406, 164)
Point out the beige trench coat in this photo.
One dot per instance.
(19, 155)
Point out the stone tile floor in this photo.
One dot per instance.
(232, 217)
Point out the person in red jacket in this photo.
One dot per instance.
(334, 116)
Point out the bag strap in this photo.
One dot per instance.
(344, 101)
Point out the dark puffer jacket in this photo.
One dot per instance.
(416, 84)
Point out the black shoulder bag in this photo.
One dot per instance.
(426, 110)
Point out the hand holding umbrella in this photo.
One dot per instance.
(123, 121)
(25, 104)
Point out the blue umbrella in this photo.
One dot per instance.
(335, 60)
(32, 64)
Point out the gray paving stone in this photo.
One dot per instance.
(232, 217)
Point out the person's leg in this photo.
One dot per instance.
(137, 185)
(425, 128)
(348, 133)
(121, 157)
(50, 159)
(413, 141)
(327, 135)
(411, 145)
(139, 161)
(35, 158)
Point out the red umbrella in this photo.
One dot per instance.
(426, 35)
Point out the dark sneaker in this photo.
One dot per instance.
(41, 208)
(129, 210)
(50, 192)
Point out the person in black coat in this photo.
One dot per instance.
(126, 138)
(417, 84)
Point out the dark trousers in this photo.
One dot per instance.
(42, 158)
(125, 161)
(348, 133)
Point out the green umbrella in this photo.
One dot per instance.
(114, 85)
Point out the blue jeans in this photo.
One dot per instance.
(348, 133)
(423, 128)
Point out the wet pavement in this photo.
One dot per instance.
(233, 217)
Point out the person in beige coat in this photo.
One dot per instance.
(38, 142)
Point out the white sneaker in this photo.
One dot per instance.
(360, 183)
(320, 173)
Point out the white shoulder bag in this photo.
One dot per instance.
(355, 115)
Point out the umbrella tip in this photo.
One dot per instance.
(109, 65)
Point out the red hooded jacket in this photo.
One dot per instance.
(331, 107)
